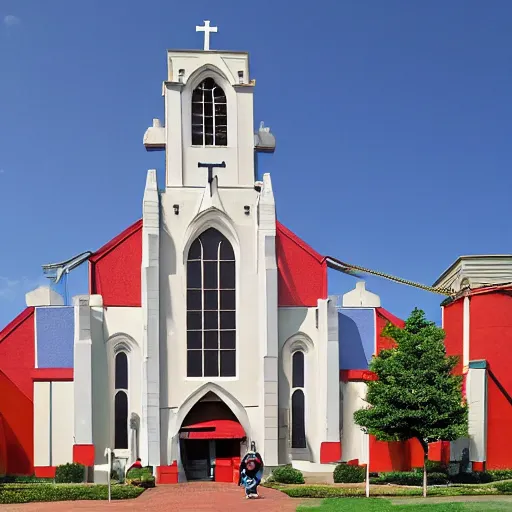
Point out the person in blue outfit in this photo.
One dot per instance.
(251, 472)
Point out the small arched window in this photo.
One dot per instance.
(209, 115)
(211, 307)
(121, 402)
(298, 405)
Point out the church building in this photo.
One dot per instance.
(208, 325)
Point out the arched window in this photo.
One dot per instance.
(121, 402)
(209, 115)
(298, 401)
(211, 307)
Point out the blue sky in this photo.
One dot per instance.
(392, 119)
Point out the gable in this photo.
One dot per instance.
(115, 269)
(302, 272)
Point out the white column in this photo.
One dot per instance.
(465, 333)
(267, 273)
(150, 421)
(82, 371)
(333, 374)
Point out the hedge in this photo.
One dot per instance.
(348, 474)
(287, 475)
(13, 479)
(504, 487)
(410, 478)
(26, 493)
(330, 491)
(71, 473)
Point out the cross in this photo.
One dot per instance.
(210, 168)
(206, 29)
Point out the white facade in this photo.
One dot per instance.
(159, 389)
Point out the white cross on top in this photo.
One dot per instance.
(207, 30)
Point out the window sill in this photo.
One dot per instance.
(211, 379)
(208, 147)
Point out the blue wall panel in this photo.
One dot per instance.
(55, 328)
(356, 338)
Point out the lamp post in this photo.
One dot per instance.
(108, 454)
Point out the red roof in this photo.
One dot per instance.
(110, 246)
(294, 238)
(215, 429)
(391, 318)
(14, 324)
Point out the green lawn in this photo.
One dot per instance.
(380, 505)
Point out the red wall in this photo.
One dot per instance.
(491, 339)
(383, 317)
(115, 269)
(302, 272)
(17, 359)
(385, 456)
(452, 322)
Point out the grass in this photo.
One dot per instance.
(381, 505)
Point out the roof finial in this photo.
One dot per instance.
(207, 30)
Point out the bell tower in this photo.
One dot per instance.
(208, 118)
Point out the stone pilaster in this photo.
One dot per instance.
(267, 270)
(150, 421)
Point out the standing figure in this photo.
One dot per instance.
(251, 472)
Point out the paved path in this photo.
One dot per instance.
(192, 497)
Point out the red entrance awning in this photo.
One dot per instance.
(215, 429)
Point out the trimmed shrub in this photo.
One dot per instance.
(13, 479)
(348, 474)
(477, 477)
(414, 478)
(500, 474)
(27, 493)
(287, 475)
(504, 487)
(70, 474)
(141, 477)
(435, 467)
(330, 491)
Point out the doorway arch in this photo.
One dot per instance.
(209, 433)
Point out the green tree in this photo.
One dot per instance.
(416, 395)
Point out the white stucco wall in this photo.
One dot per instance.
(42, 434)
(298, 331)
(62, 422)
(477, 413)
(53, 423)
(113, 328)
(354, 442)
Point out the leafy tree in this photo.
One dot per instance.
(416, 395)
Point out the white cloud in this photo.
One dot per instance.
(11, 289)
(10, 20)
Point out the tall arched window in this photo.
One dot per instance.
(211, 307)
(298, 401)
(121, 402)
(209, 115)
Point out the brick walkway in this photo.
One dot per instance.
(193, 497)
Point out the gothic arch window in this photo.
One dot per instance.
(209, 115)
(121, 401)
(211, 307)
(298, 401)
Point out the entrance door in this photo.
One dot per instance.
(196, 458)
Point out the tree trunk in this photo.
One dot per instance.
(424, 445)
